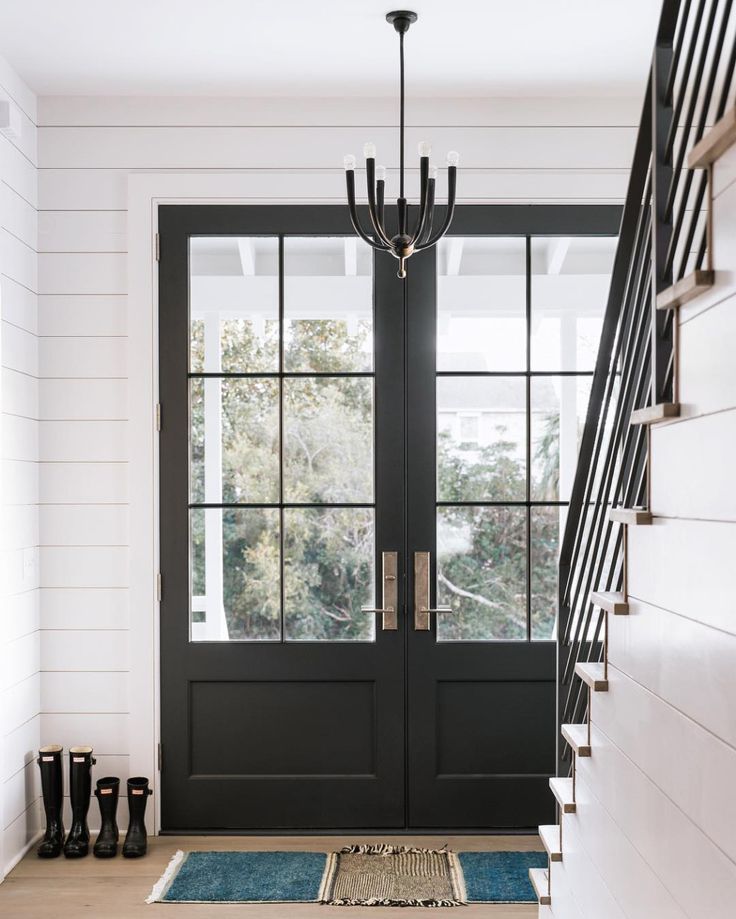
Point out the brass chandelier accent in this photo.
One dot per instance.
(406, 241)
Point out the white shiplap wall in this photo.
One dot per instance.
(513, 151)
(20, 677)
(656, 800)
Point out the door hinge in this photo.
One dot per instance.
(160, 758)
(158, 416)
(158, 247)
(159, 587)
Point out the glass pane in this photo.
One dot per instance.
(547, 526)
(559, 406)
(481, 303)
(234, 304)
(234, 440)
(481, 573)
(328, 440)
(328, 304)
(481, 438)
(235, 574)
(570, 281)
(329, 573)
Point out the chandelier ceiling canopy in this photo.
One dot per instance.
(411, 235)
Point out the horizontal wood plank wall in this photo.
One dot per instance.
(514, 151)
(20, 636)
(664, 735)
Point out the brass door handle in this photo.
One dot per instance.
(422, 609)
(390, 600)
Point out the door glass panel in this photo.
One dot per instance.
(547, 524)
(481, 303)
(558, 406)
(518, 328)
(570, 281)
(328, 440)
(481, 573)
(328, 304)
(234, 440)
(235, 559)
(329, 573)
(481, 438)
(234, 304)
(270, 430)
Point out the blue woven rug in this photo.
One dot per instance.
(296, 877)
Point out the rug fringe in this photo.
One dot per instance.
(380, 901)
(159, 888)
(388, 849)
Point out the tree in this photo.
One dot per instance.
(329, 553)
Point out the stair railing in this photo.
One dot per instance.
(664, 244)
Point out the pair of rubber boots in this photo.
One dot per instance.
(76, 844)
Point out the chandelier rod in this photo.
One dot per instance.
(401, 108)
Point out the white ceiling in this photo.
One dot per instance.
(328, 47)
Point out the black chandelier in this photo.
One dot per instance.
(406, 241)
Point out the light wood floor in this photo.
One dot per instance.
(116, 888)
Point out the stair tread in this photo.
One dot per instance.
(686, 289)
(612, 601)
(577, 736)
(653, 414)
(550, 836)
(715, 143)
(632, 516)
(562, 790)
(539, 878)
(592, 675)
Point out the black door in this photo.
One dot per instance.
(334, 439)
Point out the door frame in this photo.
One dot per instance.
(146, 191)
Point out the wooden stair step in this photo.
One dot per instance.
(653, 414)
(611, 601)
(686, 289)
(562, 790)
(577, 736)
(593, 675)
(631, 516)
(539, 878)
(715, 143)
(550, 836)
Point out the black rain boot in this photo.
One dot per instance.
(107, 791)
(136, 840)
(80, 787)
(49, 762)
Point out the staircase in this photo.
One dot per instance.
(646, 791)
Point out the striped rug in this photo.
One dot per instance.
(386, 875)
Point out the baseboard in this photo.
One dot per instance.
(19, 856)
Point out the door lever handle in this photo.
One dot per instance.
(390, 600)
(422, 609)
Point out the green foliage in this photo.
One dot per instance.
(327, 456)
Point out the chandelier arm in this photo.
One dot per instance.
(424, 226)
(370, 171)
(451, 191)
(423, 188)
(350, 179)
(380, 193)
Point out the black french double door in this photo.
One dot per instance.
(327, 429)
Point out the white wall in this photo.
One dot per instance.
(656, 800)
(513, 151)
(20, 678)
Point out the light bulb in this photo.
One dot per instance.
(348, 162)
(453, 158)
(432, 172)
(369, 151)
(380, 173)
(425, 149)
